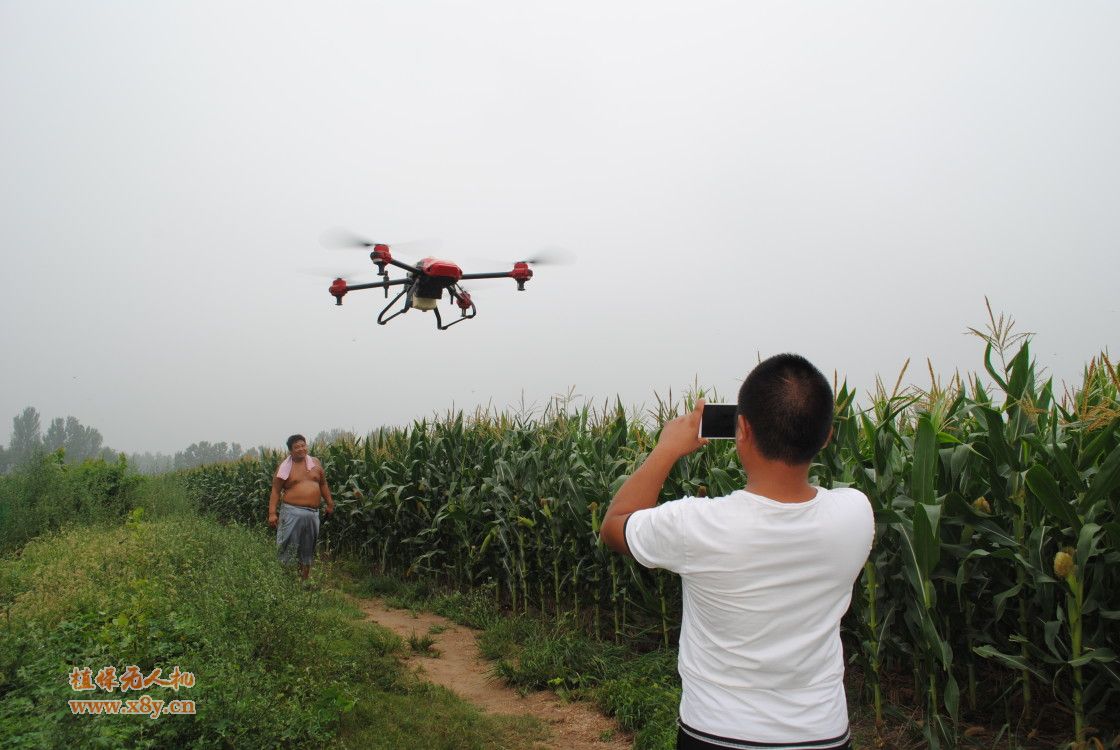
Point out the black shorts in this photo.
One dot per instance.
(694, 739)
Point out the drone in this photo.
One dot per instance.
(425, 282)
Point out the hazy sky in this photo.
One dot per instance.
(845, 180)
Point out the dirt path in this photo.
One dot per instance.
(462, 669)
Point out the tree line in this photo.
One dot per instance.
(78, 443)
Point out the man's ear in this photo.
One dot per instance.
(828, 439)
(742, 428)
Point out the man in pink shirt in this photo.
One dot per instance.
(301, 484)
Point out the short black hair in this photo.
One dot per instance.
(295, 439)
(788, 404)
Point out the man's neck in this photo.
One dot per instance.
(781, 481)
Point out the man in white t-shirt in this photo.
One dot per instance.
(766, 572)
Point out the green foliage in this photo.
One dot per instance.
(643, 695)
(44, 493)
(164, 497)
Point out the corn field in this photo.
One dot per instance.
(993, 588)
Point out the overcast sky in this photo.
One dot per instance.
(844, 180)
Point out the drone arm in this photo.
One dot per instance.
(377, 284)
(398, 264)
(520, 273)
(496, 275)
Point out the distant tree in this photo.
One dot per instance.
(198, 454)
(326, 437)
(77, 441)
(81, 442)
(26, 440)
(151, 463)
(4, 460)
(56, 435)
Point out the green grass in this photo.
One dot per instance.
(432, 718)
(641, 691)
(424, 645)
(274, 665)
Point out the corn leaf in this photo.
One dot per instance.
(1042, 483)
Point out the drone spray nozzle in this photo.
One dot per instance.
(382, 273)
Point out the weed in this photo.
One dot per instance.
(423, 644)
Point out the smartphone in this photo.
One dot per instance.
(717, 421)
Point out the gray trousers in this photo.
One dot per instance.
(296, 533)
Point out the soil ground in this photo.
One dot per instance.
(460, 668)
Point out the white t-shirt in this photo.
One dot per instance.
(765, 584)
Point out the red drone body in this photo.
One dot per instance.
(443, 269)
(424, 284)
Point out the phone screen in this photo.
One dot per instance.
(717, 422)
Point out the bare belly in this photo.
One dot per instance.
(305, 493)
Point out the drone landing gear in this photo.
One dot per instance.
(467, 310)
(462, 299)
(381, 319)
(460, 319)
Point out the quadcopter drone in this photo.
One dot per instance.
(425, 282)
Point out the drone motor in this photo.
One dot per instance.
(338, 289)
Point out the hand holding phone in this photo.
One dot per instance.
(717, 421)
(679, 436)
